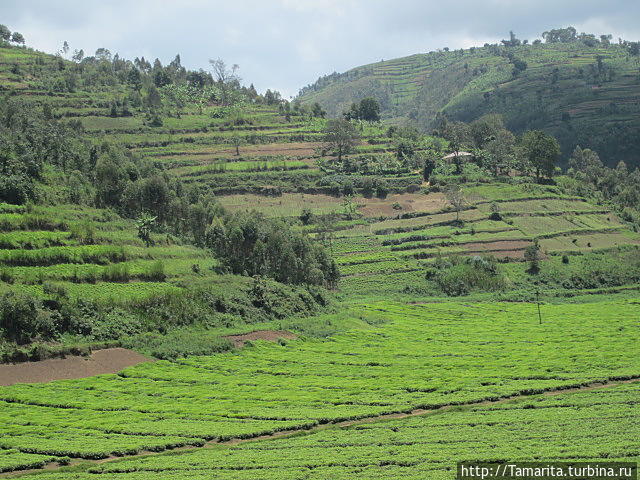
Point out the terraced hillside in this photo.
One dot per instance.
(583, 95)
(396, 340)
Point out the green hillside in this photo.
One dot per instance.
(586, 95)
(160, 209)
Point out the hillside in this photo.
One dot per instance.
(583, 95)
(424, 309)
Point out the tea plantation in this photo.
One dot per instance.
(161, 209)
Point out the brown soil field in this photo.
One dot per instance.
(109, 360)
(269, 335)
(501, 249)
(409, 202)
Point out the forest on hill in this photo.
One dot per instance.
(581, 88)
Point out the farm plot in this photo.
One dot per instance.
(448, 354)
(286, 205)
(595, 425)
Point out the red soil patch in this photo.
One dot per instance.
(408, 202)
(109, 360)
(501, 249)
(269, 335)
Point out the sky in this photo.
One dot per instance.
(286, 44)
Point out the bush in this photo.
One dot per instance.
(462, 275)
(181, 343)
(155, 272)
(23, 320)
(117, 272)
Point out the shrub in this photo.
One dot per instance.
(155, 272)
(462, 275)
(117, 272)
(495, 212)
(22, 319)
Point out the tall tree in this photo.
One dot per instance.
(5, 33)
(369, 110)
(340, 136)
(225, 77)
(17, 37)
(455, 197)
(541, 151)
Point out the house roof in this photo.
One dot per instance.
(457, 154)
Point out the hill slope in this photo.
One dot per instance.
(586, 95)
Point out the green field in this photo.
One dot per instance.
(449, 354)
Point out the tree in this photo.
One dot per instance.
(340, 136)
(586, 164)
(78, 55)
(455, 197)
(145, 224)
(17, 37)
(5, 33)
(532, 255)
(501, 152)
(318, 111)
(369, 110)
(560, 35)
(225, 77)
(237, 141)
(541, 151)
(513, 41)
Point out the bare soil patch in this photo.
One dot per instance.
(398, 204)
(269, 335)
(109, 360)
(502, 248)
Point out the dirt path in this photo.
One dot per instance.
(348, 423)
(269, 335)
(109, 360)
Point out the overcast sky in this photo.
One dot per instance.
(286, 44)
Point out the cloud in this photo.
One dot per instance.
(285, 44)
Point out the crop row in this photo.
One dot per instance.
(596, 425)
(482, 352)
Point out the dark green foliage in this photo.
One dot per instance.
(22, 318)
(541, 151)
(532, 256)
(251, 244)
(340, 136)
(457, 276)
(180, 343)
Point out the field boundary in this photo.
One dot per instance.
(585, 386)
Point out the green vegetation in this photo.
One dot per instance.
(562, 427)
(581, 89)
(447, 353)
(160, 209)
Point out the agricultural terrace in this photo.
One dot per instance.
(559, 427)
(89, 253)
(424, 228)
(583, 94)
(448, 353)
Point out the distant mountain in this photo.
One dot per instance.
(583, 90)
